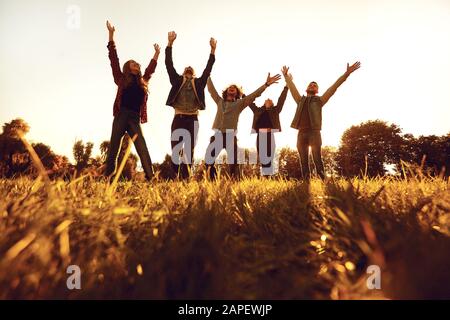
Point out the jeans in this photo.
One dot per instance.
(184, 136)
(127, 121)
(266, 151)
(218, 142)
(313, 139)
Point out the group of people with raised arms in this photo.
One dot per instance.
(187, 97)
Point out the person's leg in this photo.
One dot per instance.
(212, 152)
(191, 125)
(316, 146)
(134, 128)
(118, 130)
(303, 148)
(258, 149)
(174, 141)
(234, 167)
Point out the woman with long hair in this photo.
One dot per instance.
(130, 106)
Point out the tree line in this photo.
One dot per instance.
(372, 148)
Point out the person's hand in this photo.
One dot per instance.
(157, 50)
(271, 80)
(110, 27)
(171, 37)
(213, 43)
(352, 68)
(285, 71)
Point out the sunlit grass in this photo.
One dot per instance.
(253, 239)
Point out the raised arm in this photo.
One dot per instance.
(173, 75)
(282, 99)
(212, 58)
(329, 93)
(213, 92)
(152, 65)
(290, 83)
(253, 107)
(112, 54)
(247, 100)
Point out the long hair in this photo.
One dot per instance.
(129, 78)
(238, 88)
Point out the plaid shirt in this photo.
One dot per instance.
(118, 77)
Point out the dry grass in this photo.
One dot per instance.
(256, 239)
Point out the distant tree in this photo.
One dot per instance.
(289, 163)
(165, 169)
(329, 160)
(82, 154)
(431, 152)
(366, 148)
(13, 154)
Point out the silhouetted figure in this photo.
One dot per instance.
(308, 118)
(130, 106)
(266, 121)
(229, 107)
(187, 97)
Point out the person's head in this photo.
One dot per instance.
(268, 103)
(312, 89)
(232, 92)
(189, 72)
(132, 73)
(132, 67)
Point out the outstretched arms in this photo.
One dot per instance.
(112, 54)
(152, 65)
(173, 75)
(282, 99)
(212, 91)
(350, 69)
(247, 100)
(290, 83)
(206, 73)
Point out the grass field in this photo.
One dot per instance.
(256, 239)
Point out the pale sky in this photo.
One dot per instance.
(57, 76)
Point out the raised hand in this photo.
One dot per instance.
(353, 67)
(157, 50)
(110, 27)
(213, 44)
(171, 37)
(271, 80)
(285, 71)
(111, 30)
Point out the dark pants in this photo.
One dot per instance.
(184, 136)
(266, 151)
(127, 121)
(218, 142)
(311, 139)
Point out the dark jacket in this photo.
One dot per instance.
(118, 79)
(177, 80)
(274, 112)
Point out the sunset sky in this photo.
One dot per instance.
(56, 74)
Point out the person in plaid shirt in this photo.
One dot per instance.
(130, 106)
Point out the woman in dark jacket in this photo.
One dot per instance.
(130, 106)
(266, 121)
